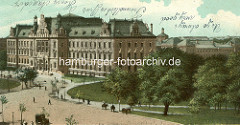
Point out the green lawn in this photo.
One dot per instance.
(206, 116)
(80, 79)
(8, 84)
(93, 92)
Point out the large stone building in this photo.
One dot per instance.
(41, 45)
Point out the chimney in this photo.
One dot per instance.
(151, 28)
(147, 26)
(162, 30)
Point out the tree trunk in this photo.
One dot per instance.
(166, 109)
(21, 118)
(26, 84)
(1, 73)
(22, 85)
(2, 114)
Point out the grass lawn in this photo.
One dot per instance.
(94, 92)
(8, 84)
(80, 79)
(206, 116)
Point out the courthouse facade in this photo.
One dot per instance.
(70, 36)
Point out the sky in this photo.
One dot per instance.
(177, 17)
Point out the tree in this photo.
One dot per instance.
(71, 121)
(31, 75)
(3, 100)
(115, 84)
(233, 94)
(22, 109)
(164, 83)
(211, 81)
(3, 61)
(168, 88)
(25, 75)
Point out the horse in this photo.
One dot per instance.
(104, 105)
(112, 108)
(126, 110)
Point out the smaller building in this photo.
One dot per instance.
(162, 36)
(201, 46)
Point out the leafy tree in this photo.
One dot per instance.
(233, 93)
(115, 84)
(3, 100)
(22, 108)
(3, 61)
(25, 75)
(71, 121)
(168, 88)
(211, 81)
(163, 83)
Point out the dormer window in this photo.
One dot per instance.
(24, 33)
(93, 31)
(76, 32)
(84, 32)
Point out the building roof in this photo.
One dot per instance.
(77, 26)
(173, 41)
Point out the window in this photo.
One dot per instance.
(85, 44)
(141, 54)
(129, 44)
(93, 31)
(84, 32)
(99, 45)
(120, 45)
(104, 45)
(99, 56)
(109, 44)
(135, 44)
(76, 32)
(141, 44)
(129, 55)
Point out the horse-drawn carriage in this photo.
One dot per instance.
(41, 120)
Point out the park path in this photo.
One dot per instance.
(70, 85)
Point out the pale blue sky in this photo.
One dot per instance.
(225, 15)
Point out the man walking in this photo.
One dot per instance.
(49, 102)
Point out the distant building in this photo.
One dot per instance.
(200, 46)
(162, 36)
(3, 45)
(70, 36)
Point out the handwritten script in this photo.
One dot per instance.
(137, 12)
(184, 19)
(40, 4)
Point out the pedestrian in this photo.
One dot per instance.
(88, 102)
(49, 102)
(34, 99)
